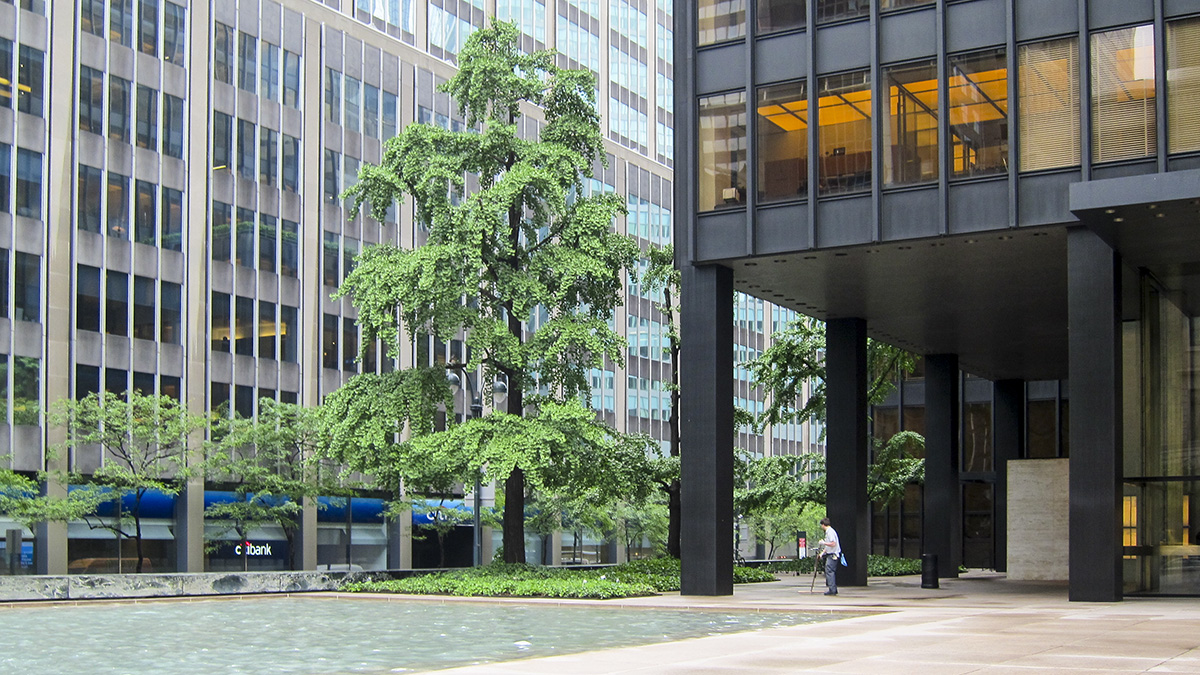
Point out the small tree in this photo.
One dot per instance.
(145, 442)
(21, 501)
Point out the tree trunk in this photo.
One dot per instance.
(514, 517)
(674, 506)
(138, 522)
(441, 549)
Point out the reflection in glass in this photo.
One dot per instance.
(897, 4)
(775, 15)
(722, 171)
(1183, 86)
(844, 134)
(910, 138)
(977, 91)
(833, 10)
(782, 142)
(721, 20)
(1048, 74)
(1123, 117)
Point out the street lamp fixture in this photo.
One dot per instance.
(475, 410)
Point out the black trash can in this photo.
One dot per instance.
(929, 570)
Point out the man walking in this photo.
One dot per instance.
(831, 553)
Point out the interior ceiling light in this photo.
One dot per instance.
(1110, 211)
(1118, 220)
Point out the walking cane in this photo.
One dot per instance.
(813, 585)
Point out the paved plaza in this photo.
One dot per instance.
(980, 623)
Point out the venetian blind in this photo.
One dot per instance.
(1048, 123)
(1123, 111)
(1183, 86)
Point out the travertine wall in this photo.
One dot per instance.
(1038, 510)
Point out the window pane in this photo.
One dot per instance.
(222, 142)
(120, 27)
(90, 197)
(172, 219)
(244, 316)
(268, 151)
(1183, 87)
(270, 71)
(6, 67)
(91, 100)
(329, 342)
(978, 95)
(288, 339)
(91, 17)
(223, 53)
(27, 287)
(783, 142)
(349, 252)
(370, 111)
(834, 10)
(333, 161)
(147, 118)
(27, 377)
(896, 4)
(144, 226)
(116, 303)
(4, 304)
(844, 133)
(143, 308)
(267, 237)
(118, 108)
(722, 150)
(171, 314)
(222, 218)
(291, 163)
(29, 183)
(289, 253)
(333, 96)
(721, 20)
(349, 345)
(245, 237)
(910, 138)
(29, 81)
(266, 330)
(87, 298)
(1049, 104)
(5, 177)
(173, 33)
(1123, 118)
(220, 322)
(172, 126)
(389, 115)
(291, 79)
(148, 30)
(330, 266)
(247, 61)
(118, 206)
(776, 15)
(353, 87)
(245, 150)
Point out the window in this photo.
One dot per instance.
(370, 111)
(349, 172)
(91, 17)
(291, 163)
(353, 111)
(171, 386)
(171, 313)
(90, 196)
(222, 219)
(245, 237)
(1049, 104)
(120, 26)
(118, 206)
(6, 69)
(220, 322)
(4, 304)
(1124, 124)
(288, 339)
(783, 142)
(173, 33)
(291, 79)
(27, 377)
(29, 183)
(147, 118)
(243, 401)
(247, 56)
(223, 53)
(836, 10)
(977, 92)
(267, 237)
(145, 228)
(245, 149)
(143, 308)
(333, 96)
(87, 298)
(5, 177)
(172, 126)
(244, 330)
(268, 160)
(349, 253)
(222, 142)
(897, 4)
(119, 90)
(389, 115)
(116, 303)
(332, 168)
(329, 342)
(722, 150)
(143, 383)
(721, 20)
(270, 71)
(266, 330)
(172, 219)
(148, 30)
(29, 81)
(776, 15)
(91, 100)
(330, 260)
(844, 133)
(27, 285)
(1183, 86)
(349, 345)
(910, 137)
(289, 254)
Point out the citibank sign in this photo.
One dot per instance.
(249, 549)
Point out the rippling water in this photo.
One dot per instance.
(317, 636)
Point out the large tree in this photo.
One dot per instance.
(530, 235)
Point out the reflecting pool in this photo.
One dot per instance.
(325, 636)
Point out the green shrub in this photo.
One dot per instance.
(877, 566)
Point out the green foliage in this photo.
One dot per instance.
(877, 566)
(21, 501)
(895, 467)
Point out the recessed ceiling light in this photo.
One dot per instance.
(1152, 207)
(1118, 220)
(1110, 211)
(1160, 214)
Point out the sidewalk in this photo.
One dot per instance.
(980, 623)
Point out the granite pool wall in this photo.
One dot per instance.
(111, 586)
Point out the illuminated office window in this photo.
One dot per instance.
(1124, 123)
(910, 137)
(782, 142)
(1048, 120)
(978, 95)
(844, 133)
(722, 151)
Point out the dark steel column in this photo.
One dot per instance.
(1094, 315)
(942, 503)
(846, 443)
(1009, 424)
(706, 430)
